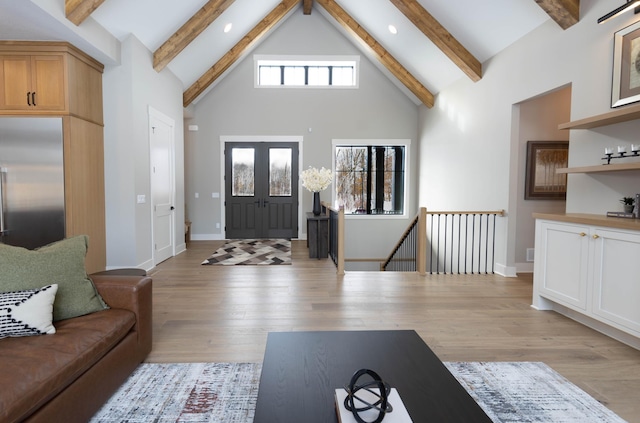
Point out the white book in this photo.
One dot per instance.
(398, 415)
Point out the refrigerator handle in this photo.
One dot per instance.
(3, 170)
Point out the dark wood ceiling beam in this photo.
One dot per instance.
(306, 6)
(403, 75)
(237, 51)
(188, 32)
(439, 36)
(79, 10)
(565, 12)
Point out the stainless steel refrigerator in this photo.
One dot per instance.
(31, 181)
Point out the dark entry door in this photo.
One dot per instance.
(261, 190)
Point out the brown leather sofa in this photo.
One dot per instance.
(68, 376)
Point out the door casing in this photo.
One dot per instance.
(254, 139)
(168, 249)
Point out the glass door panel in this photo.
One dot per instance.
(243, 172)
(280, 172)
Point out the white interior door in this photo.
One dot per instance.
(161, 130)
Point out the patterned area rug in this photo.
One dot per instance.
(185, 392)
(528, 392)
(252, 251)
(227, 392)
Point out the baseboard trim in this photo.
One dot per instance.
(506, 271)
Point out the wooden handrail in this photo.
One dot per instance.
(496, 212)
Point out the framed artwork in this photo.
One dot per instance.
(541, 180)
(626, 66)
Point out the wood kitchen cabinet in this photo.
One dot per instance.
(57, 79)
(52, 78)
(32, 83)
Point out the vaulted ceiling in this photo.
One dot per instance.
(437, 41)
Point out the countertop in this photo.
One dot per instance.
(592, 219)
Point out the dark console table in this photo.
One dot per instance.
(301, 371)
(318, 235)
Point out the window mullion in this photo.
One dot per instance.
(379, 186)
(369, 179)
(398, 183)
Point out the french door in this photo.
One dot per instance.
(261, 190)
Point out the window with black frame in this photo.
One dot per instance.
(370, 179)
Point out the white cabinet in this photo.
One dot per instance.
(562, 256)
(592, 270)
(616, 278)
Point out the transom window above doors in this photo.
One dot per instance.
(371, 176)
(306, 71)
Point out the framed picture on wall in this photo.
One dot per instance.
(541, 180)
(626, 66)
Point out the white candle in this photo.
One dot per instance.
(622, 148)
(608, 150)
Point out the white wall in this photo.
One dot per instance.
(377, 110)
(467, 141)
(538, 121)
(129, 89)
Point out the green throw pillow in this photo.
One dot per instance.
(60, 263)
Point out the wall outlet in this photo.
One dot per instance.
(530, 254)
(197, 195)
(218, 225)
(142, 199)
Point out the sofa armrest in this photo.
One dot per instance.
(132, 293)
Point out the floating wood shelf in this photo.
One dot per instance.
(617, 167)
(617, 116)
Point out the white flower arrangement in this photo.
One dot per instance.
(316, 180)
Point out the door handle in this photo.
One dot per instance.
(264, 203)
(259, 203)
(172, 208)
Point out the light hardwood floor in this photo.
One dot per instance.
(223, 314)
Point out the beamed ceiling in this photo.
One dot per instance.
(438, 41)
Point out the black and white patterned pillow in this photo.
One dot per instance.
(27, 313)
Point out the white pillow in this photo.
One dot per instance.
(27, 313)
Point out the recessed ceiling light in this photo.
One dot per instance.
(227, 27)
(393, 29)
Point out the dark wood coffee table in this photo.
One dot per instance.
(301, 371)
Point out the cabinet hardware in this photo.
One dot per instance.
(595, 236)
(33, 98)
(583, 234)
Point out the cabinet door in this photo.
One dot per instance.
(616, 278)
(562, 261)
(15, 77)
(48, 82)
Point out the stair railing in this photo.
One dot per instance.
(410, 252)
(461, 242)
(336, 235)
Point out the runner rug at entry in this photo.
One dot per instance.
(252, 252)
(227, 392)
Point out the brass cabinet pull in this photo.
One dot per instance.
(596, 236)
(583, 234)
